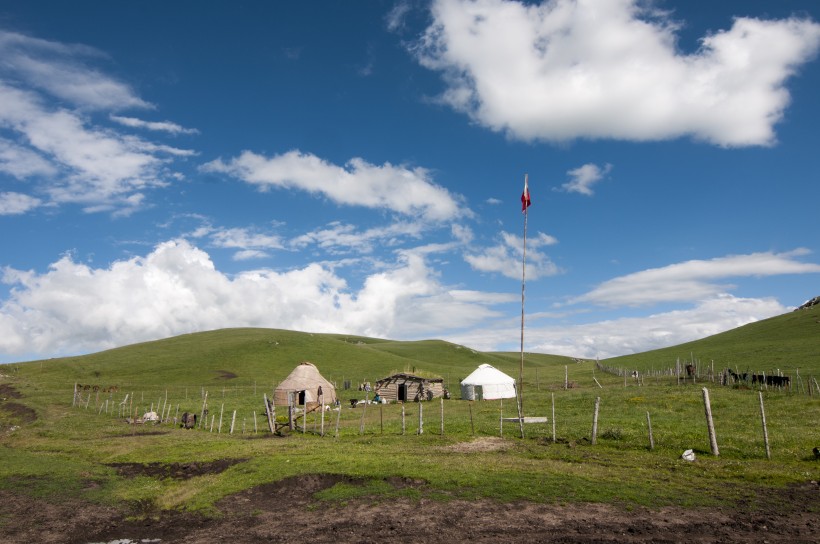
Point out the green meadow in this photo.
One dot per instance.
(52, 446)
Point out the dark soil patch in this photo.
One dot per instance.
(7, 391)
(225, 375)
(287, 511)
(177, 471)
(19, 412)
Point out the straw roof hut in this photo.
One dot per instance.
(306, 385)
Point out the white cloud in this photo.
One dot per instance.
(406, 191)
(506, 257)
(17, 203)
(626, 335)
(177, 289)
(693, 280)
(21, 162)
(584, 177)
(567, 69)
(59, 70)
(161, 126)
(71, 159)
(339, 237)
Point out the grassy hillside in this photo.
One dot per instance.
(787, 342)
(52, 447)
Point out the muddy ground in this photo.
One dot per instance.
(287, 511)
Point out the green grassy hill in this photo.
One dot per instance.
(787, 342)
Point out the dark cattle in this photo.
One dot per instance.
(188, 421)
(690, 370)
(354, 402)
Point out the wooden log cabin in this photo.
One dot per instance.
(405, 387)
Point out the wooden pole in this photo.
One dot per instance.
(501, 418)
(322, 408)
(338, 417)
(709, 423)
(421, 418)
(364, 411)
(403, 425)
(595, 421)
(254, 423)
(233, 421)
(765, 429)
(566, 377)
(442, 416)
(553, 417)
(221, 409)
(202, 421)
(649, 426)
(472, 425)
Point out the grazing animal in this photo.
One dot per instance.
(816, 452)
(354, 402)
(188, 420)
(690, 370)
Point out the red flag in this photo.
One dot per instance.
(525, 197)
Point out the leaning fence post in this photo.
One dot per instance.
(649, 426)
(709, 423)
(765, 430)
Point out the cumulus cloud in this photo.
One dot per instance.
(694, 280)
(176, 289)
(584, 177)
(406, 191)
(564, 69)
(71, 159)
(17, 203)
(505, 258)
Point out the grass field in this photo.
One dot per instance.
(53, 447)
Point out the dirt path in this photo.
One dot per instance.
(287, 512)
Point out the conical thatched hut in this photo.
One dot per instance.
(307, 385)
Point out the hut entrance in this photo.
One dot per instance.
(402, 392)
(301, 400)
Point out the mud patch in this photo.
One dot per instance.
(285, 512)
(18, 412)
(176, 471)
(7, 391)
(225, 375)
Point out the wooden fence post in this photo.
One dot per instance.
(472, 425)
(553, 417)
(765, 430)
(709, 423)
(233, 421)
(403, 422)
(649, 426)
(442, 416)
(595, 421)
(421, 418)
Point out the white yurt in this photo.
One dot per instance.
(487, 383)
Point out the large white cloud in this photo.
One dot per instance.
(176, 289)
(565, 69)
(408, 191)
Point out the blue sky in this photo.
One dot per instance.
(357, 167)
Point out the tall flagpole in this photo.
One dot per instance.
(525, 204)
